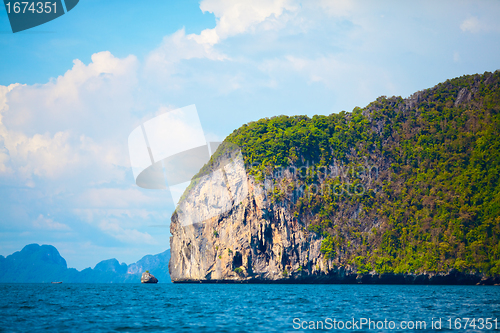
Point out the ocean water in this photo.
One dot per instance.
(246, 308)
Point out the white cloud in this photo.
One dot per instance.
(136, 216)
(337, 8)
(45, 128)
(487, 23)
(232, 18)
(114, 228)
(59, 156)
(212, 137)
(4, 90)
(335, 73)
(177, 47)
(133, 207)
(4, 107)
(69, 135)
(47, 223)
(111, 198)
(236, 17)
(471, 24)
(40, 155)
(85, 96)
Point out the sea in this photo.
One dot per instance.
(247, 308)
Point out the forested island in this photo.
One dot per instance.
(404, 190)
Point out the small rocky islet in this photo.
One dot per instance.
(148, 278)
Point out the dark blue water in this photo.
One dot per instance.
(244, 308)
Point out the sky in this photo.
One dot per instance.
(73, 89)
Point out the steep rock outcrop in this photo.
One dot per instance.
(148, 278)
(255, 240)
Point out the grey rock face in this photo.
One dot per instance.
(254, 240)
(148, 278)
(464, 96)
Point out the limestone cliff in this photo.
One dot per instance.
(230, 227)
(253, 240)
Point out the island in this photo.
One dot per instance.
(404, 190)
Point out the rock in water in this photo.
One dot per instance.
(148, 278)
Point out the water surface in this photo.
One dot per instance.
(239, 307)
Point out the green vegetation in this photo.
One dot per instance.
(238, 270)
(418, 188)
(328, 247)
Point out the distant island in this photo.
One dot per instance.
(38, 264)
(404, 190)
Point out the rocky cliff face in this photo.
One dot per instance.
(245, 235)
(252, 240)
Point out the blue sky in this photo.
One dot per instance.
(73, 89)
